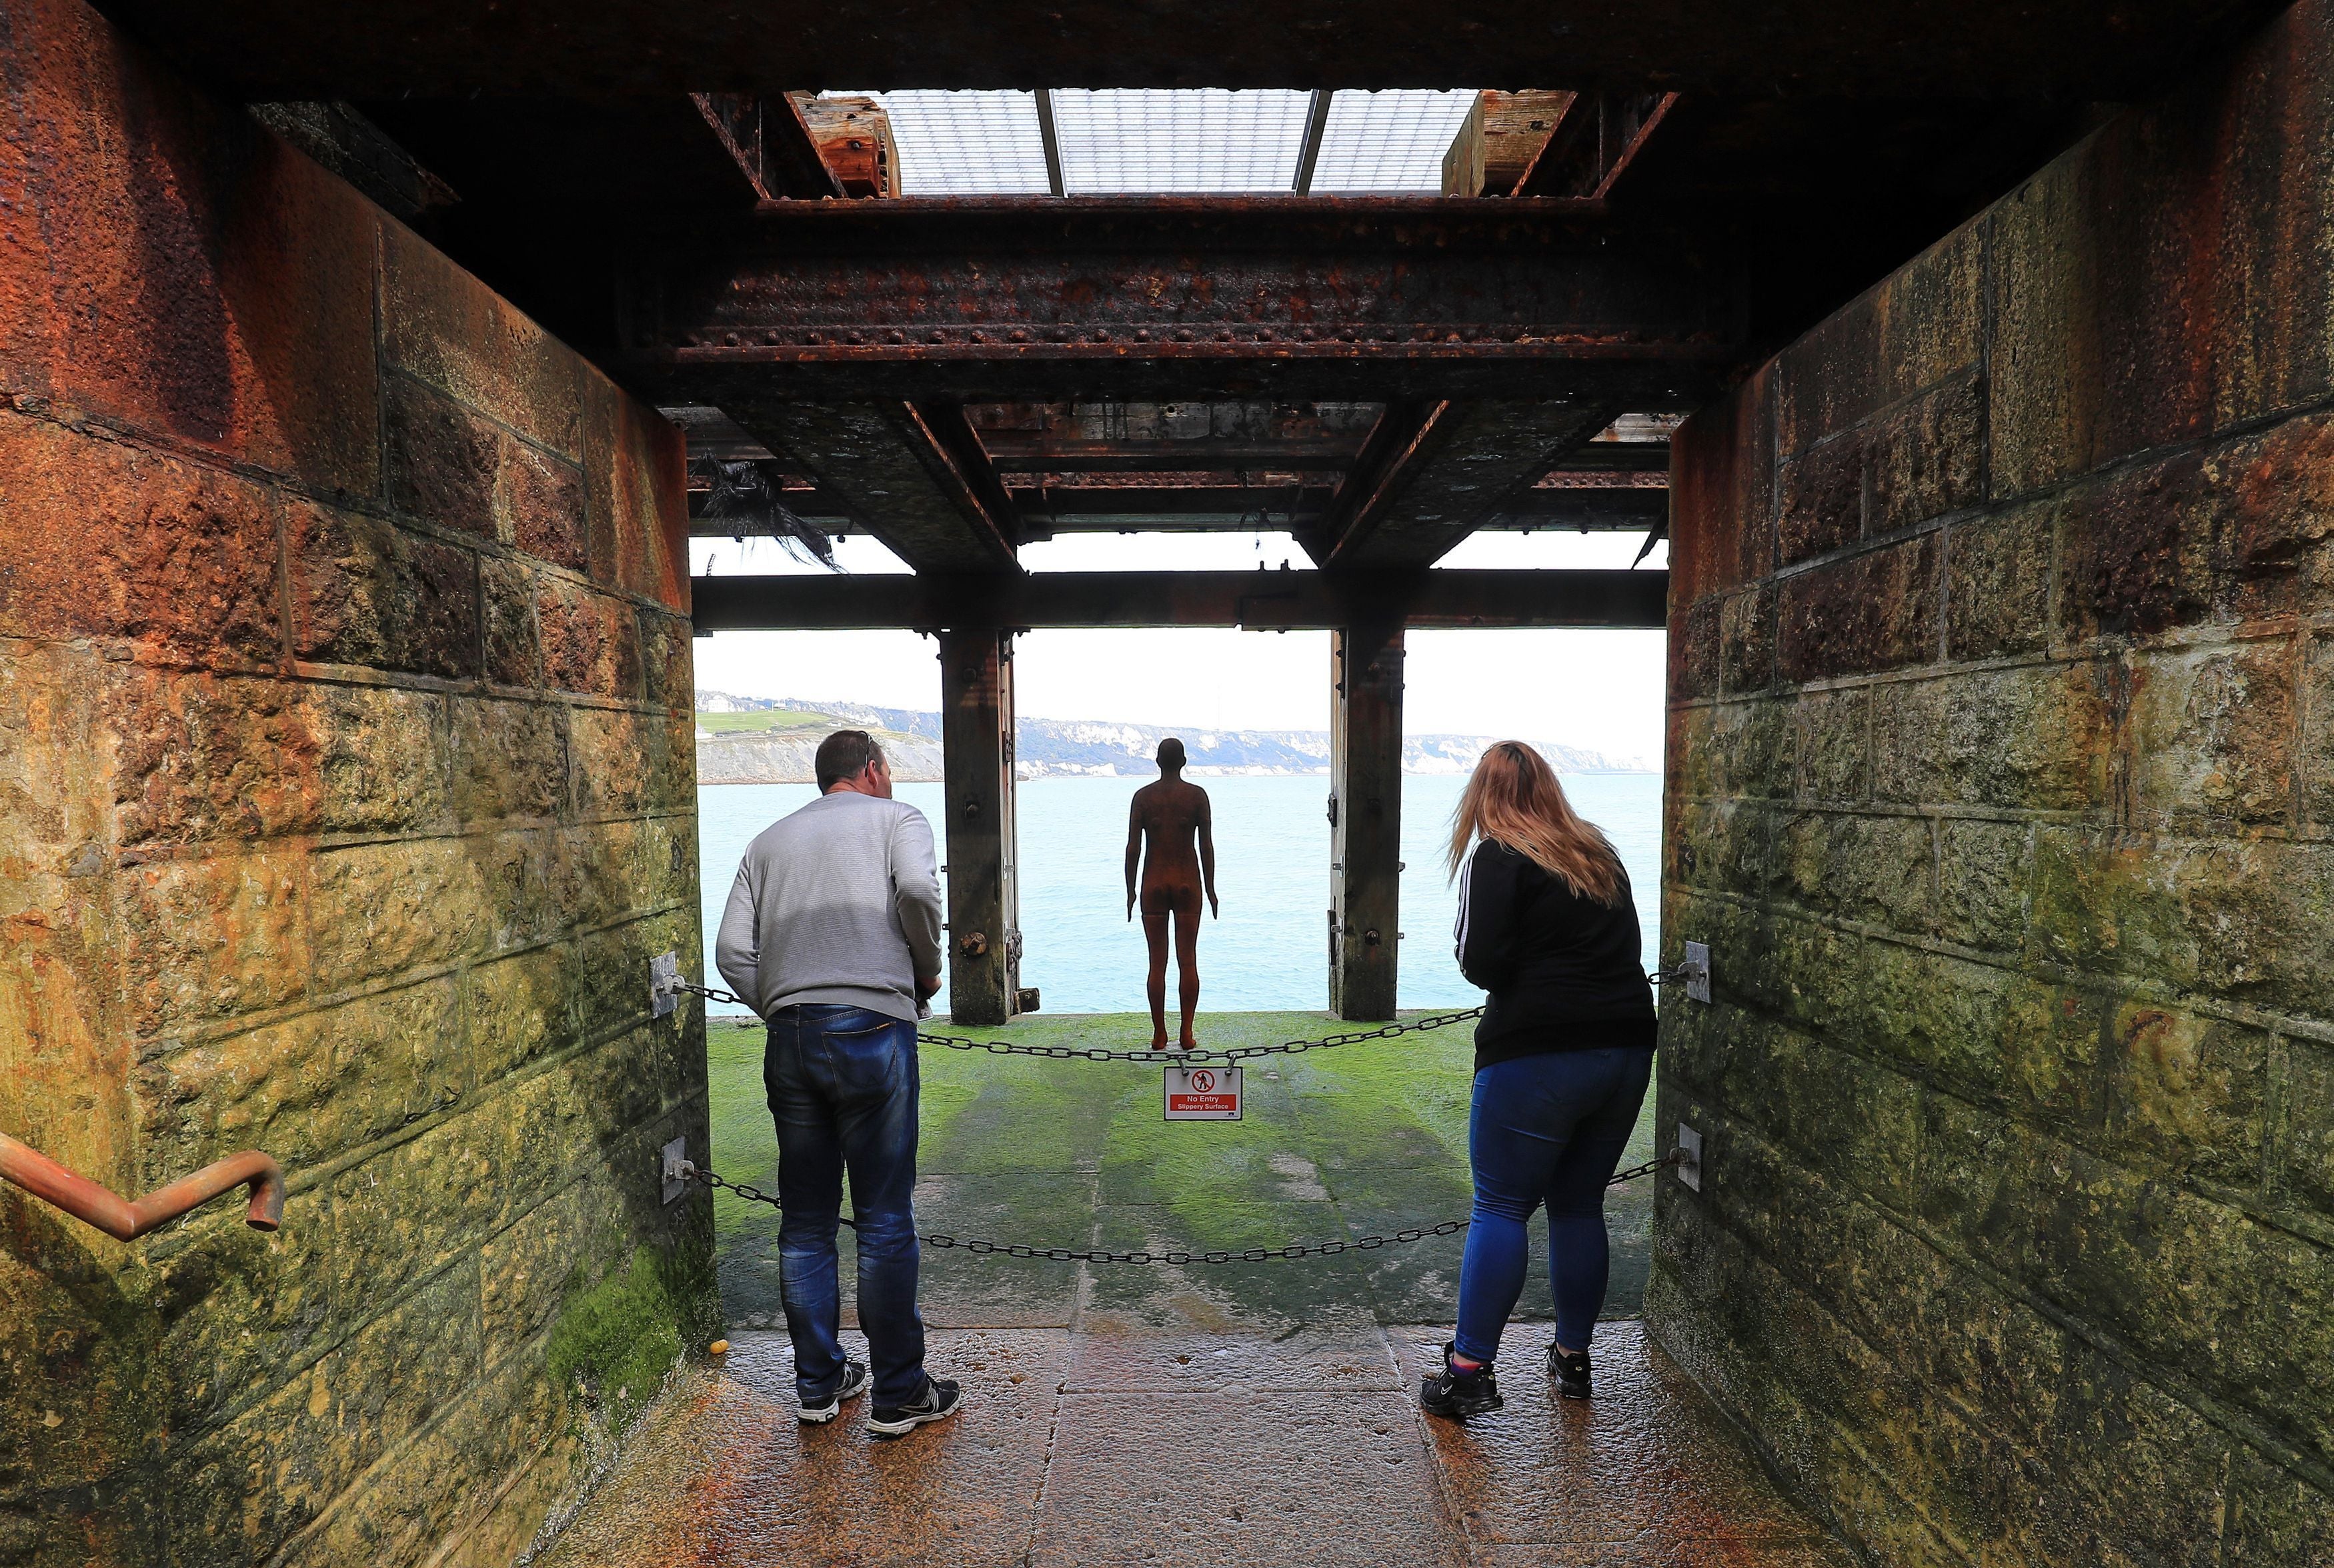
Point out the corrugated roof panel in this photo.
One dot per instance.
(1117, 142)
(1389, 141)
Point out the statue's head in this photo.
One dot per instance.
(1171, 755)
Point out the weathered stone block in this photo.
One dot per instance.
(1746, 639)
(2304, 1154)
(1727, 846)
(382, 764)
(2275, 1516)
(510, 761)
(1960, 1335)
(1918, 327)
(1926, 457)
(635, 479)
(1752, 744)
(2188, 1095)
(1687, 755)
(1981, 872)
(1819, 499)
(419, 1206)
(539, 503)
(627, 762)
(1881, 869)
(2030, 739)
(2135, 552)
(206, 939)
(590, 640)
(517, 1010)
(387, 908)
(176, 268)
(1833, 744)
(1693, 651)
(1997, 584)
(532, 880)
(1721, 496)
(512, 649)
(308, 1089)
(366, 591)
(2141, 1476)
(238, 1495)
(1870, 612)
(234, 1308)
(2272, 494)
(448, 330)
(178, 558)
(443, 460)
(562, 1122)
(574, 1236)
(667, 660)
(201, 756)
(2212, 733)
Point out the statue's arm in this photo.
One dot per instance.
(1208, 851)
(1134, 850)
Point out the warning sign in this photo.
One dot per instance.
(1204, 1094)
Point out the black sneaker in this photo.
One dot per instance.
(1458, 1394)
(1570, 1372)
(854, 1383)
(940, 1398)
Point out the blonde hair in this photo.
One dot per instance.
(1514, 799)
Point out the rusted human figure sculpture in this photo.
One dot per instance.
(1171, 815)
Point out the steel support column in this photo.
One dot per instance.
(1365, 821)
(984, 906)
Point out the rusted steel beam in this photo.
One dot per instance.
(1595, 141)
(899, 479)
(126, 1219)
(1014, 452)
(1390, 445)
(766, 135)
(296, 49)
(1260, 601)
(1468, 461)
(1011, 297)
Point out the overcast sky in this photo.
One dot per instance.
(1598, 690)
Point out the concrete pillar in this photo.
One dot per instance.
(1365, 821)
(984, 906)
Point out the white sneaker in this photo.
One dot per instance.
(854, 1383)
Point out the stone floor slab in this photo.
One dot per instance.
(1344, 1358)
(1322, 1479)
(726, 1475)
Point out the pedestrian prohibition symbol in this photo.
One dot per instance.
(1204, 1094)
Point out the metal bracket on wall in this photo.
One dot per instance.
(673, 1167)
(1697, 971)
(664, 988)
(1689, 1149)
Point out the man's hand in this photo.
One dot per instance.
(1130, 909)
(1214, 907)
(927, 986)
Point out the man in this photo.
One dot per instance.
(1168, 817)
(833, 935)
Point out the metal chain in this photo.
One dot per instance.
(1179, 1058)
(1167, 1259)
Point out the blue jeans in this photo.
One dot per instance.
(842, 1084)
(1546, 1129)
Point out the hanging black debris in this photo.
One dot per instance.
(741, 495)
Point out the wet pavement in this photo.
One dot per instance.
(1152, 1447)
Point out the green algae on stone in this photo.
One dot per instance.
(615, 1342)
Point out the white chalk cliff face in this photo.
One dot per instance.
(735, 752)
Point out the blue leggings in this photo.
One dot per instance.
(1544, 1129)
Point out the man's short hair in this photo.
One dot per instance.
(1170, 752)
(845, 754)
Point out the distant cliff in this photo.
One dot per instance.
(734, 747)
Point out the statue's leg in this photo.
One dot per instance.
(1187, 961)
(1155, 932)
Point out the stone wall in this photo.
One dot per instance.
(345, 790)
(2001, 783)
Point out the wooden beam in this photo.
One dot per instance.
(1258, 600)
(900, 481)
(1595, 141)
(978, 838)
(1465, 461)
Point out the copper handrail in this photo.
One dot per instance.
(124, 1220)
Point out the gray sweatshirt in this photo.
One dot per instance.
(839, 901)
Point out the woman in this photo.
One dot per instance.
(1562, 1056)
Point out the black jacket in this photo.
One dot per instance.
(1565, 973)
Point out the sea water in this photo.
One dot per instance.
(1269, 950)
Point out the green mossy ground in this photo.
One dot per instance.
(1341, 1143)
